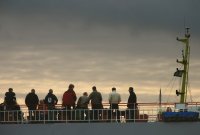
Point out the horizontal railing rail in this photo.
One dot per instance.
(145, 112)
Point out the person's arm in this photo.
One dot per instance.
(79, 102)
(75, 98)
(37, 99)
(101, 97)
(56, 99)
(46, 100)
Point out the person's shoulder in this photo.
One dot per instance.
(98, 92)
(29, 94)
(91, 94)
(73, 92)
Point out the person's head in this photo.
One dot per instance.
(33, 91)
(131, 89)
(10, 89)
(113, 89)
(42, 101)
(71, 87)
(94, 88)
(85, 94)
(51, 91)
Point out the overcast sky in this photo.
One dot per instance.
(52, 43)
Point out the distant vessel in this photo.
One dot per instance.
(178, 118)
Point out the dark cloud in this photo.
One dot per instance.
(130, 13)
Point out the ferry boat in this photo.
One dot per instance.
(149, 118)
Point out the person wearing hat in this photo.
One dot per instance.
(132, 104)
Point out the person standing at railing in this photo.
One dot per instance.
(50, 100)
(69, 100)
(96, 102)
(11, 107)
(114, 99)
(42, 112)
(31, 102)
(10, 99)
(83, 105)
(132, 105)
(83, 101)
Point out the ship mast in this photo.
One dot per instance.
(185, 62)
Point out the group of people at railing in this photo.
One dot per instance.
(10, 105)
(46, 108)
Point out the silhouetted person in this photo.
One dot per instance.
(132, 104)
(96, 102)
(114, 99)
(51, 100)
(83, 101)
(42, 110)
(69, 98)
(10, 99)
(83, 105)
(31, 102)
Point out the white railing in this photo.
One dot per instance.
(144, 113)
(78, 115)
